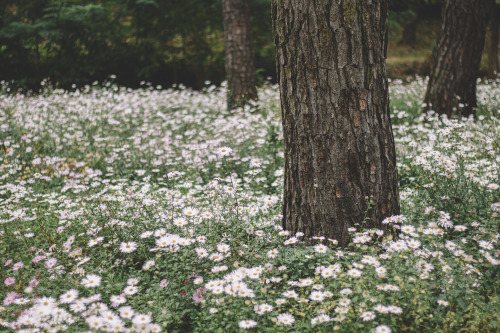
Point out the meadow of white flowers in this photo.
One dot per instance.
(156, 210)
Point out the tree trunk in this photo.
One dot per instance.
(493, 49)
(409, 36)
(339, 146)
(457, 56)
(240, 68)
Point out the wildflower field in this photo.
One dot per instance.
(156, 210)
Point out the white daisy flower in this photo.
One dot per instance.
(91, 281)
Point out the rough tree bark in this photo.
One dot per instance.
(493, 49)
(240, 67)
(339, 146)
(457, 56)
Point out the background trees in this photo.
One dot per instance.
(163, 42)
(409, 14)
(456, 57)
(340, 159)
(493, 41)
(238, 42)
(169, 41)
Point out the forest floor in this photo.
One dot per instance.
(155, 210)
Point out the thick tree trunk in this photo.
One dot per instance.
(339, 147)
(457, 56)
(240, 68)
(493, 49)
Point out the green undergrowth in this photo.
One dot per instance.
(155, 210)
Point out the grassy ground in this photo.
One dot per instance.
(154, 210)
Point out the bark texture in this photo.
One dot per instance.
(493, 49)
(339, 146)
(457, 56)
(240, 67)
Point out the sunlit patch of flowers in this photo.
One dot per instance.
(156, 210)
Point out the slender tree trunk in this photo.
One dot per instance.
(457, 56)
(493, 49)
(240, 67)
(339, 146)
(409, 37)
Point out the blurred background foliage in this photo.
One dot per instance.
(165, 42)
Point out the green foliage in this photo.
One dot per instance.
(401, 12)
(66, 41)
(80, 41)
